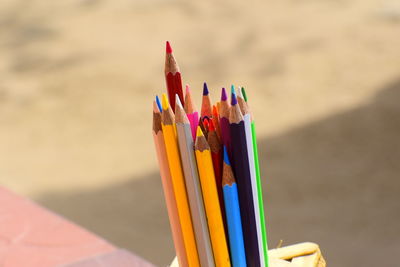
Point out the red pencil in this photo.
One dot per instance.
(172, 77)
(215, 119)
(216, 155)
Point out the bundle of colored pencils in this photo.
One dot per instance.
(210, 175)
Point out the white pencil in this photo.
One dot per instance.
(249, 142)
(185, 142)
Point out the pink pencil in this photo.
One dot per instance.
(191, 112)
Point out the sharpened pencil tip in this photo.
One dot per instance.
(168, 48)
(224, 97)
(215, 111)
(156, 108)
(233, 98)
(205, 89)
(199, 132)
(239, 92)
(226, 158)
(178, 101)
(165, 104)
(211, 126)
(158, 103)
(232, 89)
(244, 94)
(187, 89)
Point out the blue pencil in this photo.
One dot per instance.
(232, 210)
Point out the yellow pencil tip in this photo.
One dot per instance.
(165, 104)
(199, 131)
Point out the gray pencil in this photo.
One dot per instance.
(185, 141)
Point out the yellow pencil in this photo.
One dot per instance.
(211, 201)
(178, 182)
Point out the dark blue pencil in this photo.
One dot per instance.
(232, 210)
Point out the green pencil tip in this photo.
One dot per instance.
(244, 94)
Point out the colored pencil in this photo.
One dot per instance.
(211, 202)
(215, 119)
(178, 182)
(193, 188)
(191, 112)
(241, 168)
(259, 186)
(158, 103)
(166, 180)
(206, 125)
(250, 154)
(216, 155)
(224, 120)
(232, 210)
(172, 77)
(206, 107)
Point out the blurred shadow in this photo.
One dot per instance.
(335, 182)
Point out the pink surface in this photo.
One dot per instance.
(31, 236)
(117, 258)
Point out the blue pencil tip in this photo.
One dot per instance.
(226, 158)
(205, 89)
(233, 98)
(158, 103)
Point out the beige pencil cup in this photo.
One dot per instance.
(305, 254)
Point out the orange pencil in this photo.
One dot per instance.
(178, 182)
(167, 187)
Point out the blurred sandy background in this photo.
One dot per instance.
(77, 79)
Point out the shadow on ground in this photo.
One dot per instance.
(335, 182)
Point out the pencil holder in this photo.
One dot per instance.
(305, 254)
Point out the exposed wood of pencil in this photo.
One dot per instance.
(224, 121)
(191, 112)
(168, 189)
(242, 104)
(242, 173)
(195, 197)
(171, 145)
(189, 105)
(206, 106)
(250, 153)
(172, 77)
(211, 203)
(227, 175)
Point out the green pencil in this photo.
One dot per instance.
(259, 187)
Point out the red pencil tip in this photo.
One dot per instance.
(211, 126)
(169, 49)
